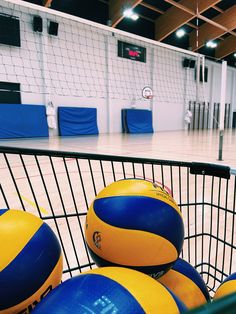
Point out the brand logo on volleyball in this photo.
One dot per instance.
(32, 306)
(97, 239)
(157, 275)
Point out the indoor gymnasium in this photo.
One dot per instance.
(117, 156)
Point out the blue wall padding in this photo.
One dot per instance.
(77, 121)
(138, 120)
(18, 120)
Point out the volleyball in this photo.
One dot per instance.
(30, 263)
(228, 286)
(186, 283)
(110, 290)
(135, 223)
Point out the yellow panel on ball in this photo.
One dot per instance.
(129, 243)
(31, 261)
(186, 283)
(8, 234)
(228, 286)
(135, 223)
(138, 187)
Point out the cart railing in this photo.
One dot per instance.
(60, 186)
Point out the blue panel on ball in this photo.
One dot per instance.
(2, 211)
(33, 265)
(154, 271)
(89, 293)
(231, 277)
(142, 213)
(189, 271)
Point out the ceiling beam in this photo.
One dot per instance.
(146, 18)
(193, 5)
(202, 17)
(219, 25)
(225, 29)
(179, 14)
(191, 25)
(182, 5)
(116, 8)
(47, 3)
(218, 9)
(104, 1)
(151, 7)
(226, 47)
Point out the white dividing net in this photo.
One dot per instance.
(82, 63)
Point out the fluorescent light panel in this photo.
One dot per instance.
(134, 17)
(180, 32)
(130, 14)
(211, 44)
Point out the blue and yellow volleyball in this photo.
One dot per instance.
(186, 283)
(135, 223)
(110, 290)
(227, 287)
(30, 262)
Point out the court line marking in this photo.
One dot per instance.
(42, 209)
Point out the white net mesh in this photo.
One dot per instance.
(82, 63)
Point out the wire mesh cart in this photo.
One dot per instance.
(60, 186)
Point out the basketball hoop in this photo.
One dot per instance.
(147, 92)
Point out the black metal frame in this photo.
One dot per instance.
(206, 195)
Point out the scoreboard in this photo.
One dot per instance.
(131, 51)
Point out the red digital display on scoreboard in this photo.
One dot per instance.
(131, 51)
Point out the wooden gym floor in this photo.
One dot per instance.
(173, 145)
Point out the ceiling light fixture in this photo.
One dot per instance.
(235, 55)
(134, 17)
(130, 14)
(180, 32)
(211, 44)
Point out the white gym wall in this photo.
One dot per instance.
(80, 67)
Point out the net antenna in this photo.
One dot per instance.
(198, 59)
(201, 73)
(222, 107)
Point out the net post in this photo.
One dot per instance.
(222, 108)
(198, 78)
